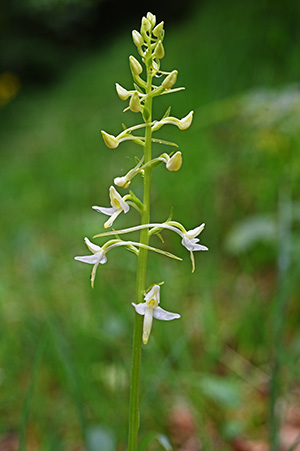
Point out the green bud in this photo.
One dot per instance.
(137, 38)
(135, 66)
(152, 19)
(186, 121)
(159, 50)
(110, 141)
(146, 25)
(134, 104)
(170, 80)
(122, 92)
(174, 163)
(158, 31)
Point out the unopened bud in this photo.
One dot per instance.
(170, 80)
(175, 162)
(134, 104)
(186, 121)
(122, 182)
(122, 92)
(110, 141)
(135, 66)
(137, 38)
(146, 25)
(159, 51)
(159, 30)
(152, 19)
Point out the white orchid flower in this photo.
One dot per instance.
(99, 253)
(188, 237)
(98, 256)
(118, 204)
(150, 309)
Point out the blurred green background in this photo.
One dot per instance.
(211, 379)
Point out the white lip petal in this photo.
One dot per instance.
(105, 211)
(91, 259)
(163, 315)
(92, 247)
(140, 308)
(147, 326)
(110, 221)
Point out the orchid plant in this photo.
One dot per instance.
(149, 43)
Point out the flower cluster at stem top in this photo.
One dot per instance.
(149, 43)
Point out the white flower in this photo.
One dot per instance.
(98, 256)
(150, 309)
(190, 242)
(118, 205)
(188, 237)
(99, 253)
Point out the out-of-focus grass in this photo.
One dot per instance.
(54, 167)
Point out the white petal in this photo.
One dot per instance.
(163, 315)
(111, 220)
(124, 205)
(116, 200)
(103, 259)
(140, 308)
(147, 326)
(199, 247)
(154, 293)
(188, 244)
(195, 232)
(92, 247)
(91, 259)
(105, 211)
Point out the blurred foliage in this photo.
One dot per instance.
(64, 348)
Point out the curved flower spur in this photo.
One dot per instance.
(146, 73)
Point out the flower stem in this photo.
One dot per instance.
(134, 419)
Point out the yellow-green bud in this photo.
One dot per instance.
(159, 30)
(186, 121)
(134, 104)
(110, 141)
(146, 25)
(175, 162)
(170, 80)
(122, 92)
(152, 19)
(135, 66)
(159, 50)
(137, 38)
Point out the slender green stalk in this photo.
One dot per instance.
(140, 284)
(281, 299)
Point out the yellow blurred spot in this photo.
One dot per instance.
(9, 87)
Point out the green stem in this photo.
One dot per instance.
(280, 304)
(140, 283)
